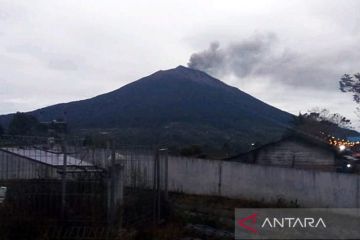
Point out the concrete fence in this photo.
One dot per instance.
(238, 180)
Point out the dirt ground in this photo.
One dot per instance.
(195, 217)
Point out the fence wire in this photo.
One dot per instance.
(64, 182)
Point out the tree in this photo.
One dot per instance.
(23, 124)
(1, 130)
(323, 115)
(351, 84)
(320, 122)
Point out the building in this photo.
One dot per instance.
(32, 163)
(295, 151)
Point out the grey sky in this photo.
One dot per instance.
(288, 53)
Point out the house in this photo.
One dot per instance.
(296, 151)
(31, 163)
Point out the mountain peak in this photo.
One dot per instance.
(182, 67)
(190, 74)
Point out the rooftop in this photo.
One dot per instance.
(49, 158)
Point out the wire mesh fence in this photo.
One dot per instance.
(69, 185)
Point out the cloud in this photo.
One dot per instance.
(58, 51)
(49, 59)
(62, 64)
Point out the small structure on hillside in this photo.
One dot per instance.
(296, 151)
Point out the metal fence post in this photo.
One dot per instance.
(108, 197)
(109, 187)
(165, 172)
(156, 187)
(115, 187)
(158, 179)
(63, 180)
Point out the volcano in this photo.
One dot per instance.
(176, 107)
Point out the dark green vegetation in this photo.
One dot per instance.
(179, 108)
(24, 124)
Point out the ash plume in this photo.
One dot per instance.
(264, 56)
(241, 59)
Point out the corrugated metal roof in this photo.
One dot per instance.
(53, 159)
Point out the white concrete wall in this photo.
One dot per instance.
(238, 180)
